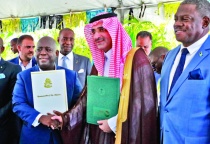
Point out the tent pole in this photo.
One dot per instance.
(121, 11)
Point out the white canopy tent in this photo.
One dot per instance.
(32, 8)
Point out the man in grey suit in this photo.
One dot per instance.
(9, 122)
(67, 58)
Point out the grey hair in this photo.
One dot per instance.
(202, 6)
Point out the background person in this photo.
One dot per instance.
(144, 41)
(9, 122)
(67, 58)
(13, 45)
(25, 59)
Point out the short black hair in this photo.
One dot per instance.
(144, 34)
(21, 38)
(14, 40)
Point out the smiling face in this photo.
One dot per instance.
(66, 41)
(46, 53)
(101, 37)
(188, 26)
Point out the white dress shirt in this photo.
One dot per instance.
(112, 122)
(192, 51)
(69, 60)
(29, 65)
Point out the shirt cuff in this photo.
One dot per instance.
(112, 122)
(36, 121)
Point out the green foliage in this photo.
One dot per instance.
(80, 46)
(161, 36)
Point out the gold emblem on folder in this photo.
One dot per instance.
(48, 83)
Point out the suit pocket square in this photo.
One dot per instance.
(2, 75)
(195, 75)
(81, 71)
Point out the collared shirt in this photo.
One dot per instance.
(107, 62)
(69, 60)
(192, 51)
(29, 65)
(112, 122)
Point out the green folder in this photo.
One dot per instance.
(103, 95)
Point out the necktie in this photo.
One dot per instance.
(64, 64)
(180, 67)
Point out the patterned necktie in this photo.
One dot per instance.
(64, 63)
(180, 67)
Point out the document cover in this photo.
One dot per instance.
(102, 98)
(49, 91)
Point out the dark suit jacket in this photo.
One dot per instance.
(16, 61)
(23, 106)
(82, 66)
(8, 127)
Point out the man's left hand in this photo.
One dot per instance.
(103, 125)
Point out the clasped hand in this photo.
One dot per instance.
(49, 122)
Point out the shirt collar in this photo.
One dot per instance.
(42, 70)
(195, 46)
(70, 55)
(107, 55)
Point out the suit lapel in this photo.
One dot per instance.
(75, 63)
(2, 65)
(165, 75)
(199, 56)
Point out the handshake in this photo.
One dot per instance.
(54, 121)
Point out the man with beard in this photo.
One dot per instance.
(68, 59)
(25, 46)
(38, 128)
(185, 78)
(113, 56)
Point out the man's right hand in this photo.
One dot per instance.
(47, 121)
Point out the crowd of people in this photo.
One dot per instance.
(178, 113)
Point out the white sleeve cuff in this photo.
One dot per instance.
(112, 122)
(36, 121)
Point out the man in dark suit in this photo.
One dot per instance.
(9, 133)
(78, 63)
(35, 124)
(25, 59)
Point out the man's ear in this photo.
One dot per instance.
(57, 53)
(206, 21)
(19, 48)
(2, 49)
(163, 56)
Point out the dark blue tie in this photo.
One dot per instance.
(180, 67)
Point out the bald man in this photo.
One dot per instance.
(36, 127)
(156, 58)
